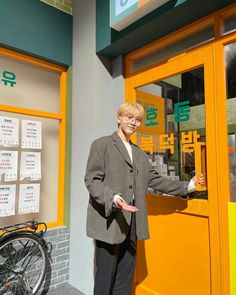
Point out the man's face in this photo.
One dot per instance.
(128, 123)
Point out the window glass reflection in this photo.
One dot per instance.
(229, 24)
(230, 67)
(173, 132)
(190, 40)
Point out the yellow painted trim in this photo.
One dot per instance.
(32, 60)
(62, 136)
(216, 271)
(232, 231)
(195, 207)
(53, 224)
(30, 112)
(222, 155)
(217, 26)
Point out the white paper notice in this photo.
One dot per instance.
(31, 134)
(30, 166)
(29, 198)
(9, 131)
(8, 165)
(7, 200)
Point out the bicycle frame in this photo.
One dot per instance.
(29, 226)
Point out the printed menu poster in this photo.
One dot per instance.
(31, 134)
(29, 198)
(30, 166)
(7, 200)
(8, 165)
(9, 131)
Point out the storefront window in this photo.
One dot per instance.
(230, 62)
(155, 54)
(33, 173)
(229, 24)
(173, 132)
(32, 117)
(29, 86)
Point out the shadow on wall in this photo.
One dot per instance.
(114, 67)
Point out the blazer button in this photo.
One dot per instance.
(130, 187)
(131, 170)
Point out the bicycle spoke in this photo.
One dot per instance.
(29, 260)
(20, 289)
(8, 254)
(24, 258)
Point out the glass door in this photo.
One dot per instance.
(178, 135)
(174, 133)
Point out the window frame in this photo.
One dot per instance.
(60, 116)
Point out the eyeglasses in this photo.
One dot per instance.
(130, 119)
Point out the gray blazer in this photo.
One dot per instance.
(110, 171)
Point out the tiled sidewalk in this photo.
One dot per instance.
(65, 289)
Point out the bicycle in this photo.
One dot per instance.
(24, 257)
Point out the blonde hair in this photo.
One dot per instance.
(128, 108)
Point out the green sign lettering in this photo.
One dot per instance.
(123, 2)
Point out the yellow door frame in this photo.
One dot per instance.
(227, 208)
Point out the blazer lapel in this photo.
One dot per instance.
(121, 147)
(135, 155)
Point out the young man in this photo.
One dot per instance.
(117, 177)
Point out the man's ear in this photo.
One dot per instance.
(118, 119)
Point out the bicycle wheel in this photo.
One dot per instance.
(23, 263)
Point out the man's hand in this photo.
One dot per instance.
(199, 179)
(121, 204)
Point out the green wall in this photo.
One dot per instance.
(37, 29)
(168, 18)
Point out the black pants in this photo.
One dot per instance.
(115, 265)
